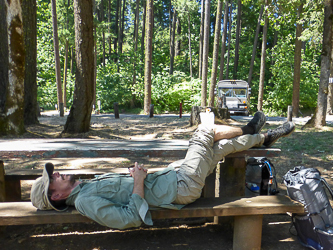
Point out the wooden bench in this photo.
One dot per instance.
(231, 174)
(247, 212)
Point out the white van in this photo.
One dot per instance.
(236, 94)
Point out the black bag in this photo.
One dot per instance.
(260, 177)
(315, 228)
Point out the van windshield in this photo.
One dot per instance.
(232, 92)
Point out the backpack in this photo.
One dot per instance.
(260, 177)
(315, 228)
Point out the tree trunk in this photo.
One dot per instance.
(116, 28)
(320, 119)
(57, 57)
(101, 19)
(143, 27)
(215, 53)
(178, 37)
(189, 43)
(148, 54)
(238, 29)
(330, 88)
(224, 37)
(65, 75)
(201, 36)
(12, 60)
(172, 42)
(205, 55)
(78, 120)
(263, 61)
(229, 40)
(29, 9)
(255, 43)
(136, 35)
(109, 28)
(297, 64)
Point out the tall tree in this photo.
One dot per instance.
(79, 117)
(263, 60)
(297, 63)
(229, 39)
(205, 55)
(201, 36)
(12, 59)
(178, 37)
(29, 11)
(189, 42)
(148, 54)
(320, 116)
(255, 43)
(224, 38)
(330, 88)
(238, 29)
(57, 57)
(172, 40)
(215, 53)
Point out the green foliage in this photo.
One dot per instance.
(115, 78)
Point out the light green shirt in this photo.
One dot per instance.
(108, 199)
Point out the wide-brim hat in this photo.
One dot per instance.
(39, 190)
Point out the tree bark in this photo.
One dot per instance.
(12, 60)
(57, 57)
(172, 41)
(189, 42)
(297, 64)
(79, 117)
(238, 29)
(143, 35)
(205, 55)
(263, 61)
(148, 54)
(178, 37)
(215, 53)
(136, 35)
(320, 119)
(64, 84)
(116, 28)
(29, 9)
(330, 88)
(229, 40)
(255, 44)
(224, 37)
(201, 36)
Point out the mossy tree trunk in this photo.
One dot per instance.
(12, 60)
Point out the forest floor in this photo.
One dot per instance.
(307, 147)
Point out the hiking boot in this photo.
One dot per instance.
(282, 131)
(258, 122)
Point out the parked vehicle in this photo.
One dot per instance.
(236, 94)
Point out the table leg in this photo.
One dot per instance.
(232, 177)
(247, 232)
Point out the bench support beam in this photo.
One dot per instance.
(247, 232)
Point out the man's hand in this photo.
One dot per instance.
(139, 174)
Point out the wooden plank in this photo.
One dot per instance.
(116, 152)
(2, 182)
(23, 213)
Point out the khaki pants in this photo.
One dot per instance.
(202, 157)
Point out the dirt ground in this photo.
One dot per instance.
(167, 234)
